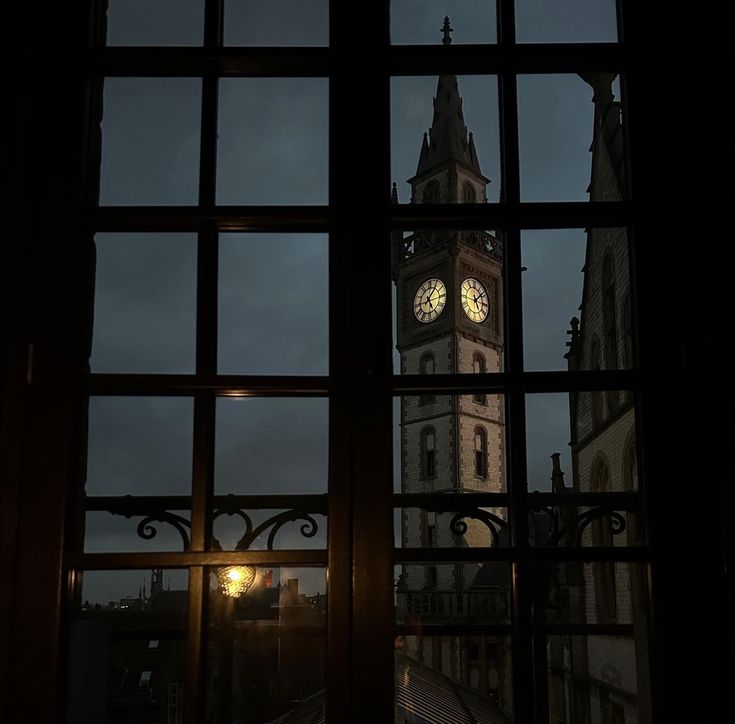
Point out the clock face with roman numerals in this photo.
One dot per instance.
(429, 301)
(474, 300)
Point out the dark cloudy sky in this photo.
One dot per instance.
(273, 287)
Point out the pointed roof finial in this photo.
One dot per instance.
(447, 29)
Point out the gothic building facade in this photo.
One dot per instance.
(595, 678)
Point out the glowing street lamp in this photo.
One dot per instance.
(234, 581)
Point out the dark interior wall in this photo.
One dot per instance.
(679, 140)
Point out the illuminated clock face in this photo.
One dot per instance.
(474, 300)
(429, 301)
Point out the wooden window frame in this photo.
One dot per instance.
(48, 295)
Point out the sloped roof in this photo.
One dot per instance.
(423, 696)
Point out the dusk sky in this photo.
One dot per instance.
(273, 150)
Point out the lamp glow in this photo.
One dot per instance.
(235, 580)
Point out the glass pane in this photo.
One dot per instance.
(420, 21)
(442, 678)
(571, 137)
(273, 293)
(269, 445)
(447, 301)
(273, 141)
(266, 647)
(155, 22)
(139, 446)
(145, 303)
(277, 22)
(247, 529)
(566, 21)
(553, 262)
(452, 593)
(593, 450)
(150, 141)
(577, 310)
(426, 454)
(597, 678)
(120, 531)
(603, 592)
(444, 139)
(127, 648)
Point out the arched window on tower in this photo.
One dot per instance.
(468, 193)
(605, 585)
(609, 321)
(630, 481)
(427, 367)
(432, 193)
(596, 364)
(627, 340)
(480, 452)
(479, 366)
(428, 453)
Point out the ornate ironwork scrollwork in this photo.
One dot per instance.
(458, 524)
(308, 529)
(616, 524)
(130, 507)
(148, 531)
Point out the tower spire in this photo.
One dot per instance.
(447, 30)
(448, 139)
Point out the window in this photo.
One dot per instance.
(47, 514)
(609, 317)
(480, 452)
(596, 397)
(432, 193)
(468, 193)
(479, 366)
(628, 332)
(426, 367)
(605, 582)
(428, 453)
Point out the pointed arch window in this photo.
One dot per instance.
(596, 364)
(479, 366)
(432, 193)
(428, 453)
(427, 366)
(630, 481)
(627, 333)
(468, 193)
(605, 585)
(610, 324)
(480, 452)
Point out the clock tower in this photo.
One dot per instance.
(449, 320)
